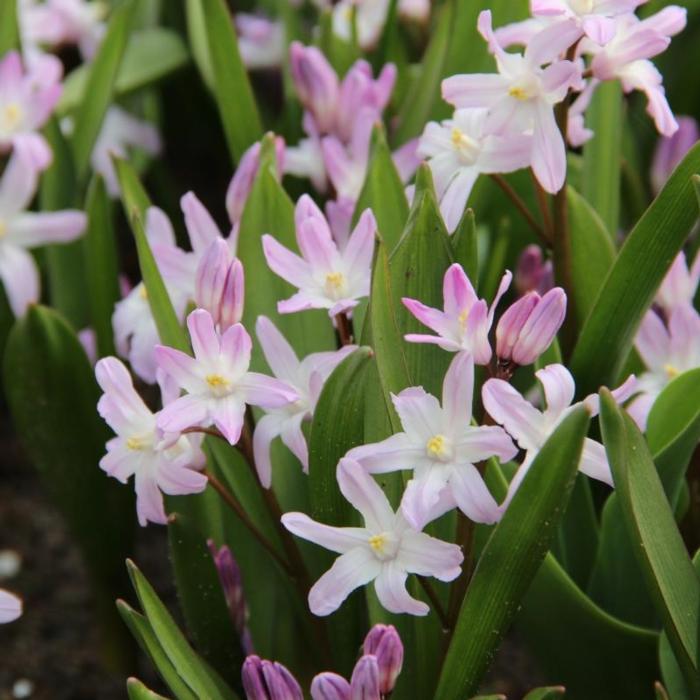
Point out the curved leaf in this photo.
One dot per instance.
(138, 691)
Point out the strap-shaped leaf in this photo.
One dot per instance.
(465, 246)
(669, 574)
(134, 196)
(234, 96)
(511, 558)
(99, 85)
(629, 289)
(138, 691)
(9, 30)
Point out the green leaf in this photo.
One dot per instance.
(200, 679)
(489, 697)
(99, 85)
(234, 96)
(102, 274)
(134, 197)
(340, 53)
(629, 289)
(602, 155)
(588, 270)
(197, 36)
(511, 558)
(9, 30)
(138, 691)
(383, 191)
(142, 631)
(151, 55)
(202, 599)
(465, 245)
(672, 581)
(52, 394)
(549, 693)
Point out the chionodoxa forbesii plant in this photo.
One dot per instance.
(423, 368)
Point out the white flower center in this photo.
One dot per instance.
(384, 546)
(335, 286)
(467, 148)
(136, 443)
(218, 384)
(439, 448)
(10, 117)
(525, 88)
(581, 7)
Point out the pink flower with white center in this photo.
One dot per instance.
(307, 378)
(217, 380)
(626, 57)
(10, 607)
(326, 277)
(680, 284)
(667, 349)
(386, 550)
(441, 446)
(260, 41)
(531, 428)
(159, 462)
(458, 150)
(521, 96)
(21, 229)
(466, 320)
(595, 18)
(306, 160)
(670, 151)
(27, 99)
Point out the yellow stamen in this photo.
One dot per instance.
(216, 381)
(463, 317)
(3, 229)
(143, 292)
(334, 279)
(10, 117)
(518, 92)
(671, 371)
(377, 543)
(134, 443)
(436, 446)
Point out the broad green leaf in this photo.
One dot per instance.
(629, 289)
(234, 96)
(9, 30)
(200, 679)
(549, 693)
(150, 56)
(202, 600)
(383, 191)
(99, 85)
(672, 581)
(142, 631)
(511, 559)
(465, 245)
(102, 270)
(602, 155)
(592, 255)
(52, 395)
(138, 691)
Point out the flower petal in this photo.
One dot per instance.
(279, 354)
(10, 607)
(458, 392)
(393, 454)
(472, 495)
(559, 388)
(336, 539)
(424, 555)
(286, 264)
(267, 392)
(228, 416)
(205, 340)
(390, 586)
(20, 277)
(266, 430)
(509, 409)
(365, 495)
(420, 413)
(594, 462)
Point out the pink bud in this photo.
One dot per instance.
(528, 327)
(364, 684)
(383, 641)
(533, 274)
(330, 686)
(220, 284)
(268, 680)
(670, 151)
(316, 83)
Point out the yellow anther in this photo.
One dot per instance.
(11, 116)
(467, 146)
(334, 279)
(519, 93)
(3, 229)
(377, 543)
(671, 371)
(143, 292)
(216, 381)
(463, 317)
(436, 446)
(134, 443)
(582, 7)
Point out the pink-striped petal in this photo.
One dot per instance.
(458, 391)
(266, 430)
(336, 539)
(267, 392)
(180, 366)
(279, 354)
(559, 387)
(205, 340)
(365, 495)
(518, 416)
(200, 225)
(390, 586)
(228, 415)
(286, 264)
(424, 555)
(420, 413)
(20, 278)
(186, 412)
(393, 454)
(472, 495)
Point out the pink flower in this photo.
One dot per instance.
(260, 41)
(670, 151)
(667, 349)
(533, 273)
(21, 229)
(268, 680)
(441, 446)
(27, 99)
(159, 462)
(386, 550)
(458, 151)
(531, 427)
(10, 607)
(217, 380)
(383, 641)
(466, 320)
(522, 95)
(326, 277)
(680, 284)
(307, 379)
(527, 327)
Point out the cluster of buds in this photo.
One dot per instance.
(373, 677)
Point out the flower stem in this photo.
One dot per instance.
(345, 329)
(521, 207)
(435, 601)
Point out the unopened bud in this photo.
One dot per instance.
(268, 680)
(330, 686)
(316, 83)
(528, 327)
(384, 643)
(533, 273)
(671, 149)
(364, 684)
(220, 284)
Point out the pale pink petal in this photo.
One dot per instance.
(301, 301)
(159, 230)
(477, 331)
(284, 263)
(558, 78)
(454, 200)
(444, 343)
(390, 586)
(472, 495)
(639, 409)
(548, 151)
(653, 341)
(20, 278)
(236, 347)
(559, 387)
(599, 29)
(19, 182)
(149, 499)
(228, 415)
(316, 244)
(553, 41)
(180, 366)
(433, 318)
(32, 229)
(336, 539)
(474, 90)
(293, 437)
(279, 354)
(186, 412)
(119, 461)
(10, 607)
(420, 413)
(395, 453)
(205, 340)
(477, 444)
(266, 392)
(518, 416)
(266, 430)
(114, 379)
(200, 225)
(594, 462)
(424, 555)
(360, 247)
(351, 570)
(306, 208)
(547, 7)
(180, 481)
(458, 391)
(422, 495)
(365, 495)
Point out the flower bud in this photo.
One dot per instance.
(268, 680)
(330, 686)
(528, 327)
(220, 284)
(671, 149)
(364, 684)
(316, 83)
(383, 641)
(533, 274)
